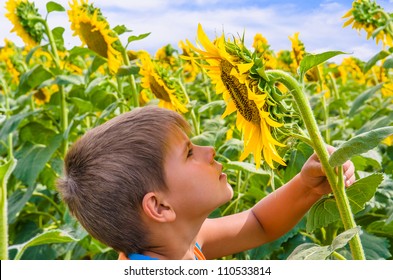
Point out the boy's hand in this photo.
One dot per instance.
(314, 177)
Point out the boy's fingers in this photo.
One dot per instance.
(349, 173)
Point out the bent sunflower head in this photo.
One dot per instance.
(154, 78)
(371, 17)
(93, 29)
(20, 13)
(239, 76)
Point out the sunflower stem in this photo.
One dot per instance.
(3, 193)
(320, 149)
(63, 101)
(193, 116)
(131, 79)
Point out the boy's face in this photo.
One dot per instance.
(195, 180)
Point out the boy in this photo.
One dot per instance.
(138, 184)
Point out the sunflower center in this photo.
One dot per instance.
(238, 92)
(94, 39)
(158, 90)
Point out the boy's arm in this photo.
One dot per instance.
(271, 217)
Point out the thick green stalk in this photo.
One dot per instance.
(3, 224)
(3, 185)
(320, 149)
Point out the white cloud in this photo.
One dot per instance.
(171, 21)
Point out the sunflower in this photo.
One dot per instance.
(190, 68)
(298, 50)
(262, 47)
(8, 57)
(155, 80)
(237, 75)
(92, 28)
(370, 17)
(19, 13)
(43, 95)
(387, 89)
(351, 67)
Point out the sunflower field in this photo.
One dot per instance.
(264, 112)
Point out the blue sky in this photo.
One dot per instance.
(169, 21)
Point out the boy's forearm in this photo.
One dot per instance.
(281, 210)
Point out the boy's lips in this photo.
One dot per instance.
(222, 175)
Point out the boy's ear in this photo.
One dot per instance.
(157, 209)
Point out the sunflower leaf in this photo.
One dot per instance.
(310, 251)
(388, 63)
(54, 7)
(325, 210)
(49, 237)
(361, 99)
(137, 38)
(311, 60)
(374, 60)
(359, 144)
(33, 78)
(120, 29)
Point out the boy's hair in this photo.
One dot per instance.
(108, 171)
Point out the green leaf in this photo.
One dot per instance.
(361, 98)
(311, 60)
(362, 191)
(10, 124)
(18, 200)
(33, 78)
(120, 29)
(49, 237)
(322, 213)
(343, 238)
(388, 63)
(54, 7)
(245, 166)
(137, 38)
(375, 248)
(125, 70)
(379, 122)
(58, 36)
(359, 144)
(36, 133)
(381, 228)
(69, 80)
(310, 251)
(32, 159)
(83, 105)
(210, 105)
(325, 211)
(379, 56)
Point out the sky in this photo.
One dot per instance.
(319, 22)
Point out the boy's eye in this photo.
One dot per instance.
(190, 151)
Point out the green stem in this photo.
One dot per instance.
(3, 184)
(320, 149)
(8, 115)
(193, 116)
(63, 118)
(63, 101)
(324, 106)
(131, 80)
(207, 91)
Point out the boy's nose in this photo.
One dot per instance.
(212, 154)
